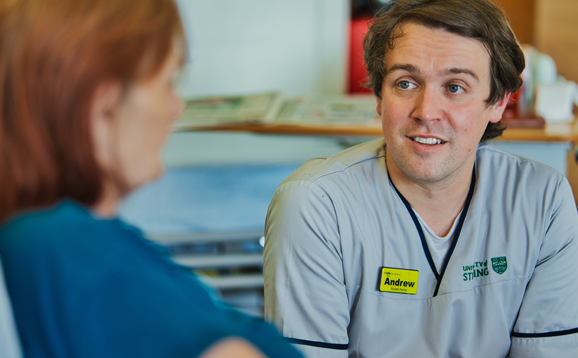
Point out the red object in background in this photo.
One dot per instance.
(357, 73)
(515, 116)
(512, 108)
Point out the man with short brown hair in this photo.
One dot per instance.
(428, 242)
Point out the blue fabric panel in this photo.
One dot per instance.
(205, 199)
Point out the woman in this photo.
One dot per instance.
(86, 103)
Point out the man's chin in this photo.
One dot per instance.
(427, 173)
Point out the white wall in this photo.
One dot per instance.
(244, 46)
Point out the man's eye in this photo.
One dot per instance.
(455, 89)
(405, 85)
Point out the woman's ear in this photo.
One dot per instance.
(103, 115)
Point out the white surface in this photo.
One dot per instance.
(554, 101)
(214, 148)
(219, 261)
(204, 237)
(297, 46)
(9, 341)
(233, 282)
(228, 199)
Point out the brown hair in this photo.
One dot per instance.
(478, 19)
(54, 54)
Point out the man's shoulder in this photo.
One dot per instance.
(498, 168)
(494, 159)
(347, 160)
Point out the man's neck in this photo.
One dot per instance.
(438, 203)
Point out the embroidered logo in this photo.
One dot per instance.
(499, 264)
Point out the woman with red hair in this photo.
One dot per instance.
(86, 102)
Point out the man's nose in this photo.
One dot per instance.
(428, 105)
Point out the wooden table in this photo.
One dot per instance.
(549, 133)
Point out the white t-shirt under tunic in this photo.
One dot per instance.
(438, 246)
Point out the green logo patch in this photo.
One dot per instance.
(499, 264)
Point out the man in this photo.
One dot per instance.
(428, 243)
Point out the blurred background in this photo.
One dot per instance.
(209, 207)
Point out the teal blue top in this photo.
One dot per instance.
(87, 287)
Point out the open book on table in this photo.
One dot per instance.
(271, 108)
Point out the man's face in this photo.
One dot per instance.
(433, 105)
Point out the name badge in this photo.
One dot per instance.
(398, 280)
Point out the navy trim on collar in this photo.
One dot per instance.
(547, 334)
(455, 237)
(318, 344)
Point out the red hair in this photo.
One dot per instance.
(54, 54)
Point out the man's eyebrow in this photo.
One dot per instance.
(458, 71)
(450, 71)
(403, 67)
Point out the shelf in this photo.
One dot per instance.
(548, 133)
(208, 237)
(219, 261)
(248, 281)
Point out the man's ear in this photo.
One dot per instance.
(103, 112)
(498, 108)
(378, 105)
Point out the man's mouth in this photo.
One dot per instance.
(430, 141)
